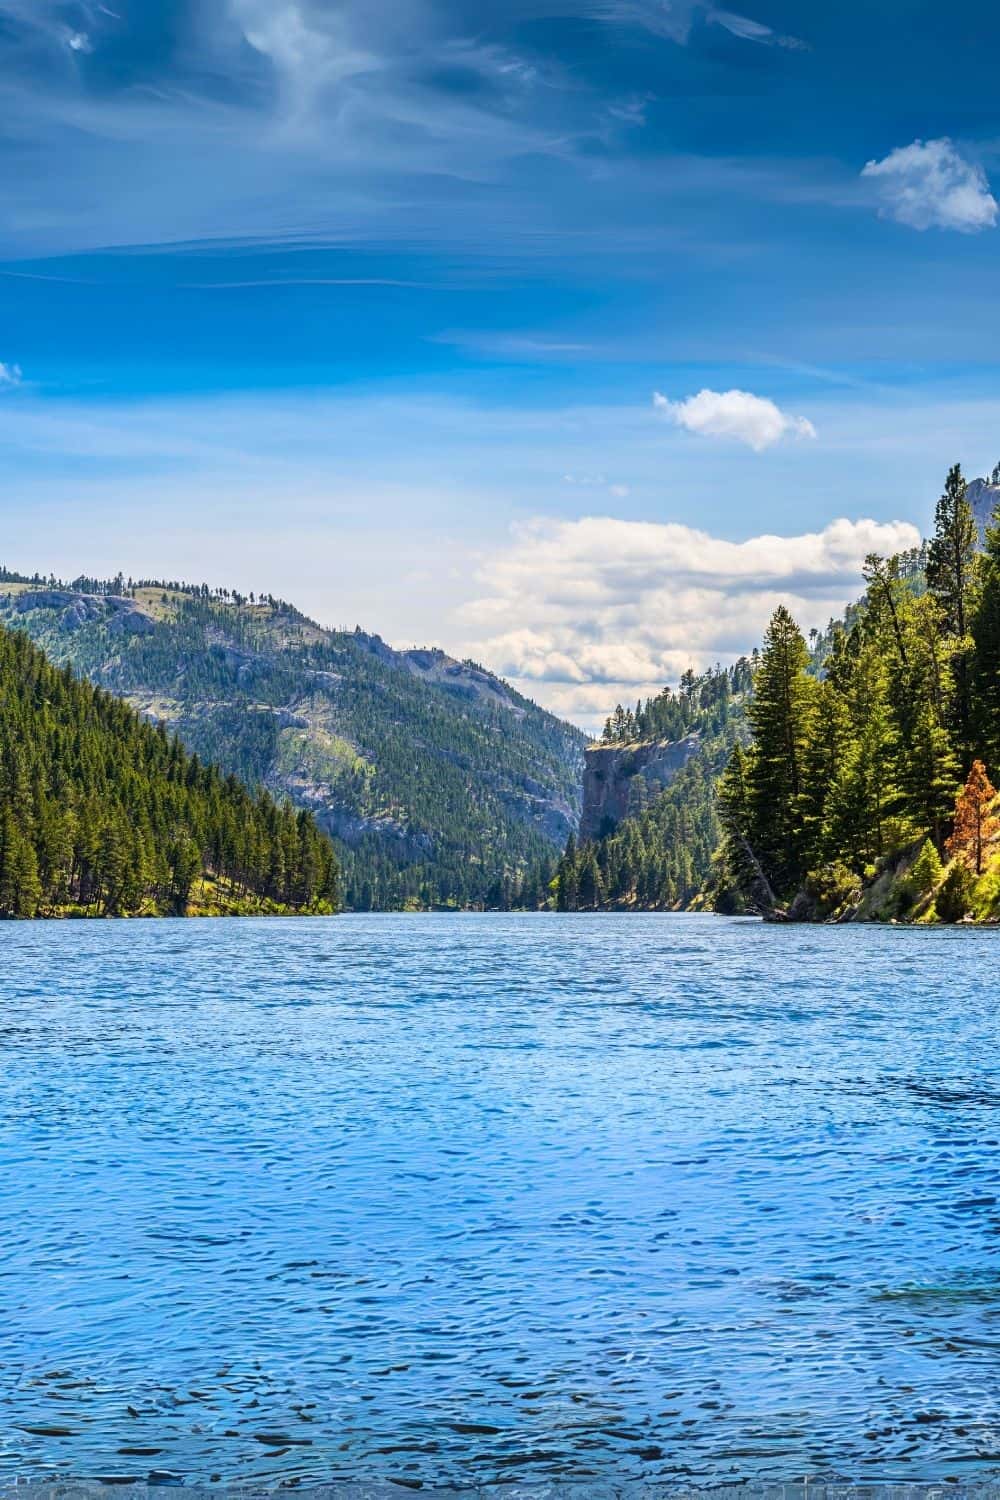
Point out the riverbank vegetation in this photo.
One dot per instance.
(864, 790)
(843, 777)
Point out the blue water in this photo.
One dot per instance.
(469, 1198)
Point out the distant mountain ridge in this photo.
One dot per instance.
(439, 781)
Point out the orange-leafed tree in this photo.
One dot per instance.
(975, 824)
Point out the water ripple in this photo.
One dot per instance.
(476, 1199)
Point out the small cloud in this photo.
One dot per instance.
(79, 41)
(631, 111)
(738, 415)
(586, 481)
(929, 185)
(10, 375)
(754, 31)
(597, 482)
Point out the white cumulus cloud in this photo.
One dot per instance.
(586, 613)
(930, 185)
(738, 415)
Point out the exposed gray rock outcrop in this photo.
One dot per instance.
(610, 771)
(983, 496)
(121, 615)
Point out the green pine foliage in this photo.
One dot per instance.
(859, 746)
(984, 676)
(952, 577)
(103, 814)
(704, 703)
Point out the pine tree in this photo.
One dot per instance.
(975, 825)
(20, 887)
(590, 889)
(929, 773)
(985, 663)
(885, 593)
(951, 552)
(951, 556)
(927, 870)
(566, 878)
(829, 746)
(781, 714)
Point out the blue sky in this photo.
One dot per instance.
(568, 333)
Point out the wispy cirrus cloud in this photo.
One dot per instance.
(738, 416)
(929, 184)
(754, 31)
(269, 118)
(363, 121)
(61, 25)
(676, 21)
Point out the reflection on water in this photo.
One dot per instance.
(465, 1199)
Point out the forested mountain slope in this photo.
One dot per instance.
(436, 779)
(101, 814)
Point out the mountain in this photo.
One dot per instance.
(437, 781)
(103, 814)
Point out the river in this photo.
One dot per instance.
(459, 1199)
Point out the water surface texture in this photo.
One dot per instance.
(462, 1199)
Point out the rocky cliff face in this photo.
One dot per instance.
(610, 772)
(983, 497)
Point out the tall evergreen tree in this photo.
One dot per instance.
(951, 556)
(781, 714)
(985, 663)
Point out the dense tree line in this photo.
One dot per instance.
(858, 751)
(123, 587)
(662, 854)
(102, 813)
(702, 703)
